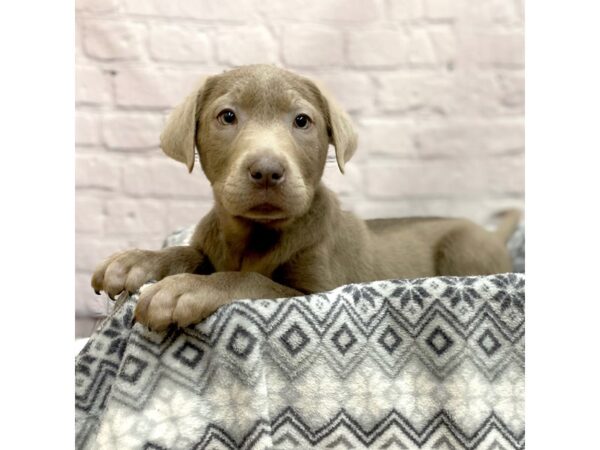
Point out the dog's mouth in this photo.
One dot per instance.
(265, 208)
(266, 213)
(273, 206)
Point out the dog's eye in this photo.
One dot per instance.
(227, 117)
(302, 121)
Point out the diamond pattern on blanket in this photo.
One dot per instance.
(132, 368)
(343, 339)
(432, 363)
(344, 342)
(295, 339)
(441, 346)
(439, 341)
(390, 340)
(241, 343)
(189, 354)
(489, 342)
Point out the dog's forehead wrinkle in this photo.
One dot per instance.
(266, 90)
(266, 101)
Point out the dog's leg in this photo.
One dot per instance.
(471, 251)
(185, 299)
(129, 270)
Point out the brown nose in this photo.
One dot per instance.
(266, 172)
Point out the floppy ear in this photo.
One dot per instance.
(178, 139)
(341, 132)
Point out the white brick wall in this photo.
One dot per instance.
(435, 88)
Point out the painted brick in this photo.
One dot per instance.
(246, 45)
(467, 94)
(142, 215)
(353, 91)
(445, 178)
(152, 241)
(346, 184)
(406, 10)
(442, 9)
(92, 85)
(494, 12)
(421, 51)
(469, 138)
(132, 131)
(97, 6)
(112, 40)
(179, 43)
(312, 45)
(506, 13)
(480, 210)
(319, 10)
(445, 46)
(476, 94)
(97, 171)
(495, 49)
(87, 129)
(520, 10)
(512, 91)
(169, 178)
(79, 53)
(377, 48)
(184, 213)
(227, 10)
(406, 92)
(89, 214)
(387, 136)
(153, 88)
(150, 7)
(90, 251)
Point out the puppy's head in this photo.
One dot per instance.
(262, 134)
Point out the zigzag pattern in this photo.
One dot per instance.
(425, 341)
(289, 430)
(269, 325)
(367, 304)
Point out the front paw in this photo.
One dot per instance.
(182, 299)
(125, 271)
(129, 270)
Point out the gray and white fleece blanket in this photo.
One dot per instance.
(433, 363)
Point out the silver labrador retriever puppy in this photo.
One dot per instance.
(275, 230)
